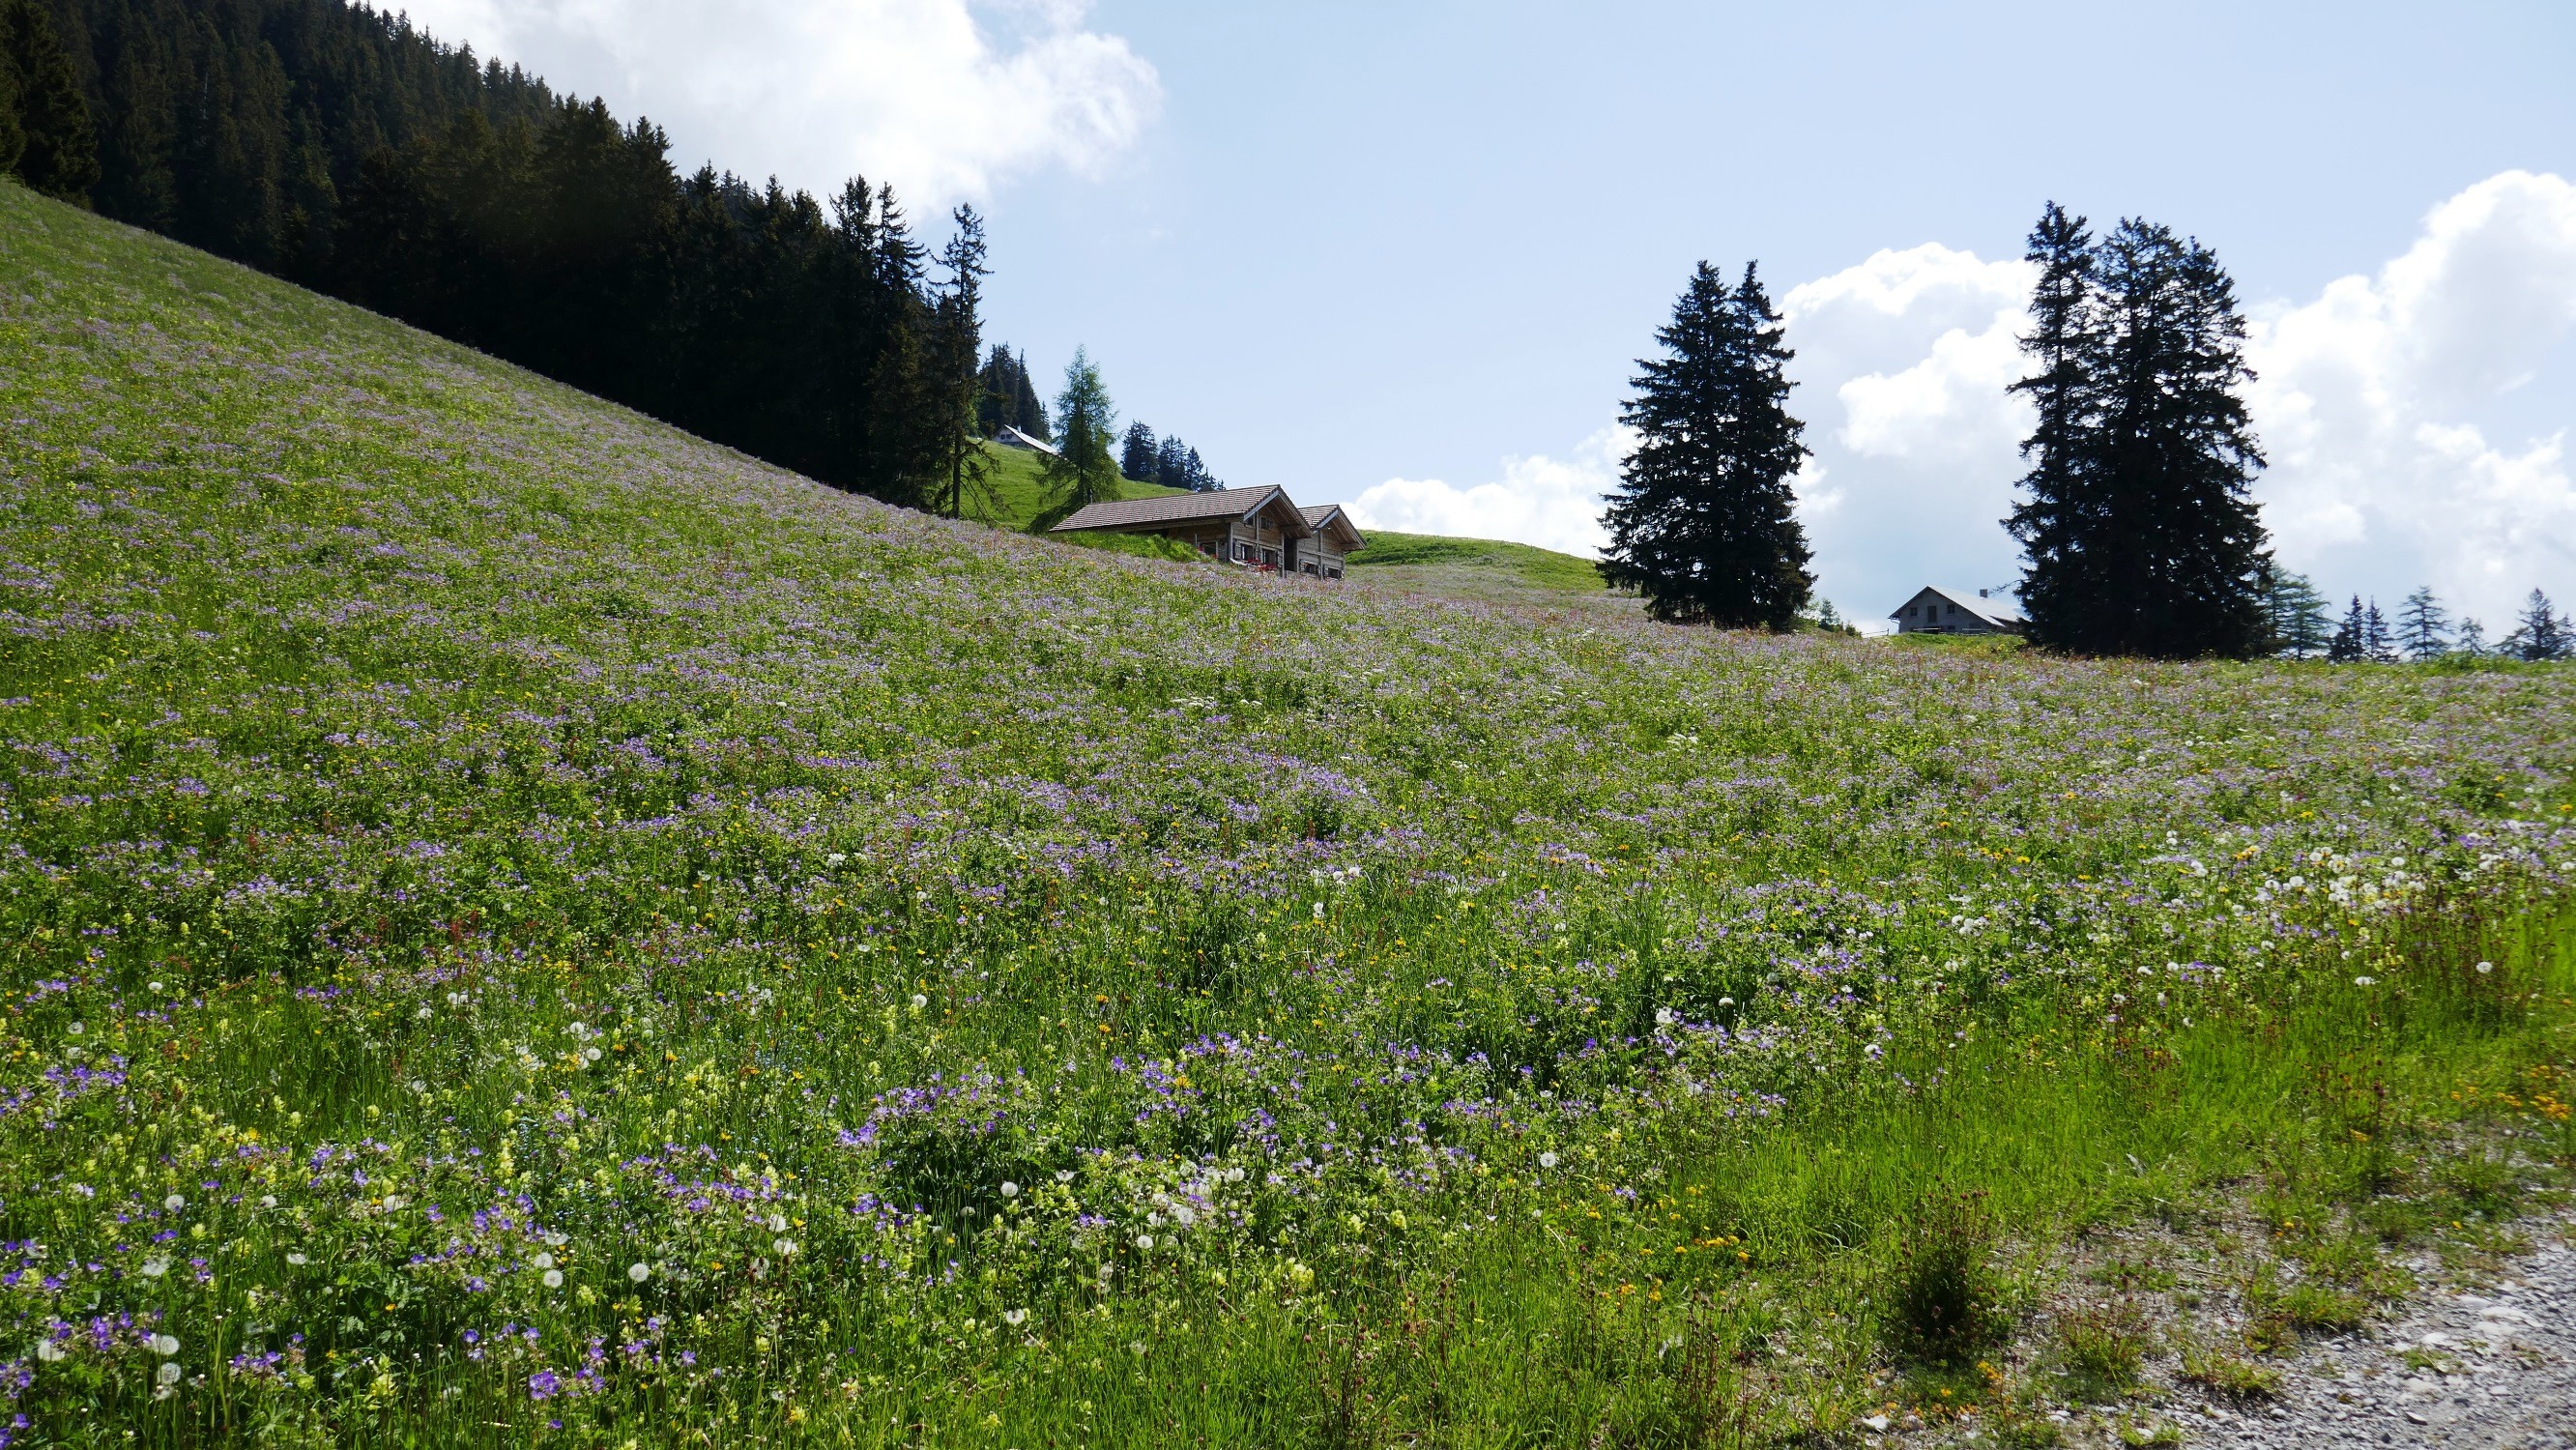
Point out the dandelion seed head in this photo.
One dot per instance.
(639, 1272)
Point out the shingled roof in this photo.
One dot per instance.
(1130, 513)
(1330, 515)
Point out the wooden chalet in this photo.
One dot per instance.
(1935, 610)
(1257, 528)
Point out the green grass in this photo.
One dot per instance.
(1520, 564)
(513, 915)
(1019, 491)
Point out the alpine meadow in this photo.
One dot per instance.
(525, 927)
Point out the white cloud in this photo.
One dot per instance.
(1550, 502)
(944, 98)
(2379, 480)
(1902, 366)
(2382, 475)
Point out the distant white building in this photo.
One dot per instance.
(1011, 437)
(1935, 610)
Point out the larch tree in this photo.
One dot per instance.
(1082, 471)
(2423, 626)
(2298, 615)
(1704, 523)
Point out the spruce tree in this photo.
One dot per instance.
(2469, 639)
(2350, 640)
(2540, 634)
(2139, 526)
(1136, 455)
(57, 148)
(2377, 644)
(1081, 471)
(1704, 523)
(960, 341)
(2061, 591)
(2422, 625)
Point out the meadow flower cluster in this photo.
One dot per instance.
(519, 918)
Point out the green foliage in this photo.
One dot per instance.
(1945, 1300)
(2102, 1348)
(1704, 522)
(2231, 1375)
(782, 958)
(1081, 471)
(2141, 533)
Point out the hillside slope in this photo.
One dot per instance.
(516, 917)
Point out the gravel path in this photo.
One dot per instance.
(2493, 1368)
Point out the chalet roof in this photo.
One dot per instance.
(1223, 503)
(1330, 516)
(1011, 437)
(1997, 612)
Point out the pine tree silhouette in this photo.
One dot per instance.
(1704, 522)
(2351, 639)
(2138, 524)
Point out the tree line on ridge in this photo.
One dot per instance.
(340, 147)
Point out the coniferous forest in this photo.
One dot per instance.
(340, 147)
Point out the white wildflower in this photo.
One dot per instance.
(544, 1261)
(1145, 1243)
(786, 1248)
(2365, 981)
(919, 1001)
(1015, 1317)
(553, 1278)
(298, 1258)
(155, 1268)
(2485, 967)
(174, 1203)
(778, 1223)
(1010, 1189)
(49, 1351)
(165, 1345)
(1547, 1159)
(639, 1272)
(168, 1374)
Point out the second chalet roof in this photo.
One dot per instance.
(1331, 516)
(1996, 612)
(1128, 513)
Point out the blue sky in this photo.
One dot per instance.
(1404, 255)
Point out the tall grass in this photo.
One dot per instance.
(522, 927)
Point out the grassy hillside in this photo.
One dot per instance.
(1020, 494)
(522, 927)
